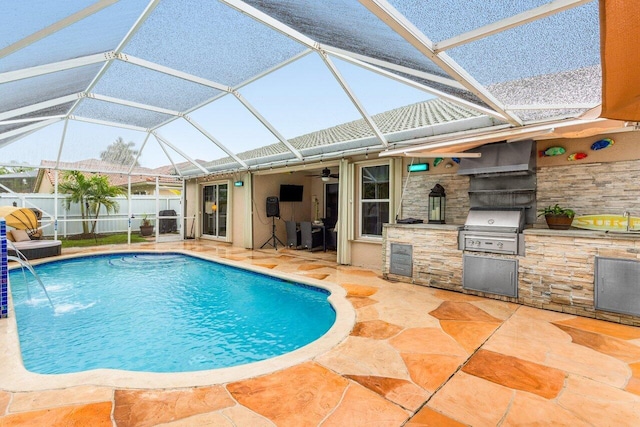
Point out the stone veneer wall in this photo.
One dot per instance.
(592, 188)
(557, 273)
(415, 201)
(437, 261)
(588, 188)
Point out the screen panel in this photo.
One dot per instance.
(133, 83)
(569, 40)
(90, 145)
(233, 124)
(21, 93)
(100, 32)
(442, 19)
(26, 17)
(117, 113)
(349, 26)
(34, 147)
(211, 40)
(294, 98)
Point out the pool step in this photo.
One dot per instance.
(134, 261)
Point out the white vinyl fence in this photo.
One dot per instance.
(70, 222)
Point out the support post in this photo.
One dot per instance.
(129, 209)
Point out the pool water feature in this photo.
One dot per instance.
(161, 313)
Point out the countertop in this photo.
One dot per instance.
(587, 234)
(537, 231)
(425, 226)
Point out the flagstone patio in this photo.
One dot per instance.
(416, 356)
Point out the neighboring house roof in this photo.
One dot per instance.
(25, 174)
(116, 178)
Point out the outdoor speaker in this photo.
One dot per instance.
(273, 207)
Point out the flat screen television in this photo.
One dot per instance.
(291, 193)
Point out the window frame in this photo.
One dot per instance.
(360, 235)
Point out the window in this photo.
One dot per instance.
(374, 199)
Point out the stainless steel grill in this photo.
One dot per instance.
(493, 230)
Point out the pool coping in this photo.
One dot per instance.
(14, 376)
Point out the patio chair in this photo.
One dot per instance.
(309, 238)
(293, 234)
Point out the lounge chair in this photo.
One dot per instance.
(32, 249)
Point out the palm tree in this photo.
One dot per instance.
(91, 193)
(78, 187)
(101, 195)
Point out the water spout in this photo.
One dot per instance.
(24, 262)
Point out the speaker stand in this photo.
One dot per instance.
(273, 240)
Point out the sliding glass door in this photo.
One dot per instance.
(214, 210)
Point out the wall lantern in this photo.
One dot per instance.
(437, 204)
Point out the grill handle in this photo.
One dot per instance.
(471, 236)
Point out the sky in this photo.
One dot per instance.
(297, 99)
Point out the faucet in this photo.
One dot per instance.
(628, 215)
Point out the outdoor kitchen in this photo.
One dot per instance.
(492, 242)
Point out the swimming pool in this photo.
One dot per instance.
(165, 312)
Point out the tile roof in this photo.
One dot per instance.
(419, 115)
(119, 175)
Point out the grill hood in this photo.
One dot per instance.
(501, 158)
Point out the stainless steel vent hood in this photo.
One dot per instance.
(500, 158)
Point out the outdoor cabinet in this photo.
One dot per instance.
(617, 286)
(491, 275)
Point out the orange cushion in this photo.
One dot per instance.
(10, 236)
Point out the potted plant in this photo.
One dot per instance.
(557, 217)
(146, 228)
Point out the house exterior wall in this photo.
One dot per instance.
(366, 254)
(239, 210)
(192, 230)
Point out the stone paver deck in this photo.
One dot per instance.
(416, 356)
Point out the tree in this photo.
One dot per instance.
(101, 194)
(120, 153)
(91, 193)
(77, 186)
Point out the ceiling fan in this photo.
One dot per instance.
(326, 174)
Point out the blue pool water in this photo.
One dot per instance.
(160, 313)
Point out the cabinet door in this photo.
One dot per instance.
(491, 275)
(617, 286)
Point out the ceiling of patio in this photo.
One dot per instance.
(210, 86)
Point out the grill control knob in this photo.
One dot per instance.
(500, 245)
